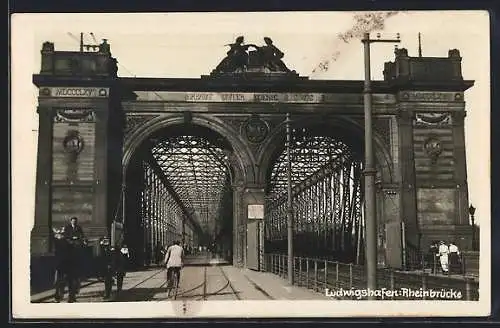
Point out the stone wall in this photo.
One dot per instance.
(72, 175)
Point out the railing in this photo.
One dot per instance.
(322, 275)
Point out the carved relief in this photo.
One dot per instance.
(433, 119)
(73, 144)
(255, 129)
(134, 121)
(74, 116)
(433, 148)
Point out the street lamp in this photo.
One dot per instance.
(370, 171)
(472, 211)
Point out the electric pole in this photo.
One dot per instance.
(369, 170)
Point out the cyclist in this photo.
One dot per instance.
(174, 258)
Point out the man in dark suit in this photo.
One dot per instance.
(73, 233)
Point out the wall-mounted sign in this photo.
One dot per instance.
(259, 97)
(256, 211)
(430, 96)
(75, 92)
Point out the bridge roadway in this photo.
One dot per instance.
(202, 278)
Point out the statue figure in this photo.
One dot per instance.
(237, 56)
(104, 47)
(271, 56)
(48, 47)
(240, 58)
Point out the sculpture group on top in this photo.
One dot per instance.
(239, 58)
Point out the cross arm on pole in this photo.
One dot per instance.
(384, 40)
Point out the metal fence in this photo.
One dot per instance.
(348, 281)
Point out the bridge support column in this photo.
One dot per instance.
(40, 235)
(443, 192)
(42, 264)
(133, 219)
(239, 226)
(254, 226)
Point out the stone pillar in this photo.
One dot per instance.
(238, 226)
(100, 216)
(133, 217)
(252, 195)
(463, 230)
(408, 204)
(40, 235)
(460, 167)
(390, 220)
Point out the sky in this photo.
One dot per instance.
(192, 44)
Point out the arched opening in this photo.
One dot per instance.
(179, 187)
(327, 160)
(327, 201)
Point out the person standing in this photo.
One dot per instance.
(73, 234)
(109, 270)
(443, 252)
(61, 255)
(122, 258)
(73, 230)
(455, 262)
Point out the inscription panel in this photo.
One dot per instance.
(431, 96)
(261, 97)
(435, 206)
(68, 202)
(67, 166)
(74, 92)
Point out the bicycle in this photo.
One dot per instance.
(173, 282)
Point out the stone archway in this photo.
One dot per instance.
(351, 132)
(241, 162)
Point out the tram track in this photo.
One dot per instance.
(200, 292)
(206, 295)
(235, 293)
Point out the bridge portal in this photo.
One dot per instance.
(203, 160)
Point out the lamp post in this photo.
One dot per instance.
(472, 211)
(369, 171)
(289, 213)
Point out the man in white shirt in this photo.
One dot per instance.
(443, 252)
(174, 258)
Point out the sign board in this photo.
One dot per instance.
(116, 233)
(74, 92)
(256, 211)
